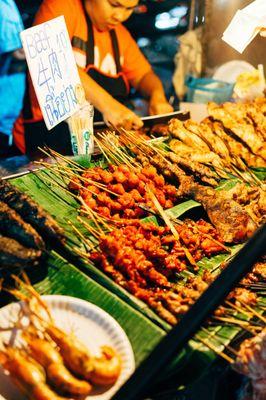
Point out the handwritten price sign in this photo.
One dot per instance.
(53, 69)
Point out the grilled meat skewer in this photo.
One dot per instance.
(30, 211)
(13, 254)
(12, 224)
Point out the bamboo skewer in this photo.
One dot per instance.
(258, 315)
(216, 337)
(239, 309)
(212, 347)
(171, 226)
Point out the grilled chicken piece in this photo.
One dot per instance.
(178, 130)
(240, 127)
(13, 254)
(203, 172)
(30, 211)
(12, 224)
(214, 142)
(194, 154)
(233, 223)
(258, 118)
(237, 149)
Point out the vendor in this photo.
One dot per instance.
(109, 62)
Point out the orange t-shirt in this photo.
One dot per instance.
(133, 63)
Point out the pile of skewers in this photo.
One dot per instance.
(47, 362)
(232, 138)
(235, 213)
(119, 191)
(24, 228)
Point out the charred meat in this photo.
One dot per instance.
(12, 224)
(13, 254)
(30, 211)
(231, 220)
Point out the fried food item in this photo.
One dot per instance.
(251, 362)
(179, 131)
(253, 199)
(195, 155)
(106, 368)
(239, 126)
(12, 225)
(58, 375)
(201, 171)
(236, 147)
(214, 143)
(30, 211)
(124, 190)
(13, 254)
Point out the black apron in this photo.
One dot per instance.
(117, 86)
(58, 138)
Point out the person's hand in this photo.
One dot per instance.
(118, 115)
(159, 105)
(19, 54)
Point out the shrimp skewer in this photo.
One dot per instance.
(103, 370)
(106, 368)
(57, 374)
(27, 375)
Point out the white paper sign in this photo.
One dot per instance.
(245, 25)
(53, 69)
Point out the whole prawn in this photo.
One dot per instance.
(103, 370)
(106, 368)
(28, 376)
(58, 375)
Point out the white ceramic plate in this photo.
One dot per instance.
(229, 71)
(93, 326)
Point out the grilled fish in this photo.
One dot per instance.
(12, 225)
(30, 211)
(13, 254)
(231, 220)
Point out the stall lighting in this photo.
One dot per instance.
(170, 19)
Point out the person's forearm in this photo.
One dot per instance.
(151, 86)
(94, 93)
(113, 112)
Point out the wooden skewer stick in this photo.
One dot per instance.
(219, 339)
(171, 226)
(258, 315)
(212, 347)
(239, 309)
(244, 324)
(99, 144)
(92, 216)
(86, 240)
(66, 159)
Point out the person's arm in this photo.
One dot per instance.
(140, 74)
(113, 112)
(151, 87)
